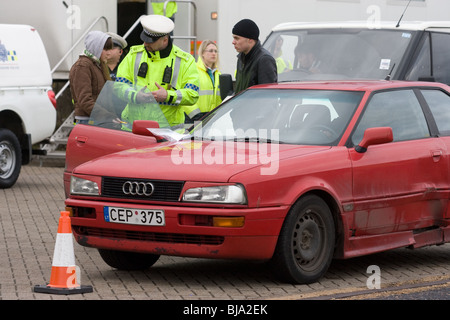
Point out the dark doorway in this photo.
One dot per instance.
(127, 14)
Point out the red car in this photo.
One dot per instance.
(293, 173)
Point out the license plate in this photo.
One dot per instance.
(141, 217)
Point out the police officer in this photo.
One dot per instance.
(167, 71)
(171, 8)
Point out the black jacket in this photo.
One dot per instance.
(257, 67)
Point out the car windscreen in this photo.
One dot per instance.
(119, 104)
(341, 53)
(304, 117)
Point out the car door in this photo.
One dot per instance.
(438, 102)
(396, 186)
(88, 142)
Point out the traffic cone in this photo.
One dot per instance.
(63, 278)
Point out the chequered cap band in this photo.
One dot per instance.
(154, 34)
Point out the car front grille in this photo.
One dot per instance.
(149, 236)
(168, 191)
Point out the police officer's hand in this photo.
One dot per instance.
(160, 95)
(143, 97)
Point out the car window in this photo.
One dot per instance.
(119, 102)
(439, 103)
(312, 117)
(399, 110)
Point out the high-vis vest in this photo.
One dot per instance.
(158, 7)
(182, 90)
(209, 94)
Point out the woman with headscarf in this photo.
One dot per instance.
(89, 74)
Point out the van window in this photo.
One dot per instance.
(399, 110)
(421, 66)
(439, 103)
(441, 56)
(440, 70)
(326, 54)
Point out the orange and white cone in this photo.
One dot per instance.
(63, 278)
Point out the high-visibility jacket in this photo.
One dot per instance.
(158, 7)
(183, 88)
(283, 65)
(209, 94)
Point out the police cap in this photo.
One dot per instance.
(155, 26)
(117, 40)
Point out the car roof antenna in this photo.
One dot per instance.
(398, 23)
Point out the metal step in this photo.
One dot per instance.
(59, 139)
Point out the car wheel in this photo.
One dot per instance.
(124, 260)
(306, 243)
(10, 158)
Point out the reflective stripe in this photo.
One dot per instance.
(137, 62)
(206, 92)
(176, 72)
(194, 112)
(63, 255)
(129, 94)
(179, 97)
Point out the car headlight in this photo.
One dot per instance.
(83, 187)
(228, 194)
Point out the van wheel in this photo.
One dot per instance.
(305, 246)
(124, 260)
(10, 158)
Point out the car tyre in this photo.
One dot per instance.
(124, 260)
(305, 246)
(10, 158)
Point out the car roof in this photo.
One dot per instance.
(351, 85)
(443, 26)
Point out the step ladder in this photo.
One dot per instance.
(55, 147)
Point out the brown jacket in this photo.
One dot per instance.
(86, 82)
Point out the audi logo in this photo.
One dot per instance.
(138, 188)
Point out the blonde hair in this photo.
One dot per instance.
(202, 48)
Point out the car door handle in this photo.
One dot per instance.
(81, 139)
(436, 154)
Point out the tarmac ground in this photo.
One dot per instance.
(29, 213)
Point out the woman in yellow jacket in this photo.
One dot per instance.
(209, 94)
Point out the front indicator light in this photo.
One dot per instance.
(226, 222)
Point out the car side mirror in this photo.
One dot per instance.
(140, 127)
(374, 136)
(226, 86)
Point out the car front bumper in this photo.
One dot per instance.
(255, 240)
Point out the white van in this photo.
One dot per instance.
(27, 102)
(359, 50)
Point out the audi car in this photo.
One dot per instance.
(295, 174)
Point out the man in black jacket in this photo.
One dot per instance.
(255, 64)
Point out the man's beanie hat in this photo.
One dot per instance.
(246, 28)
